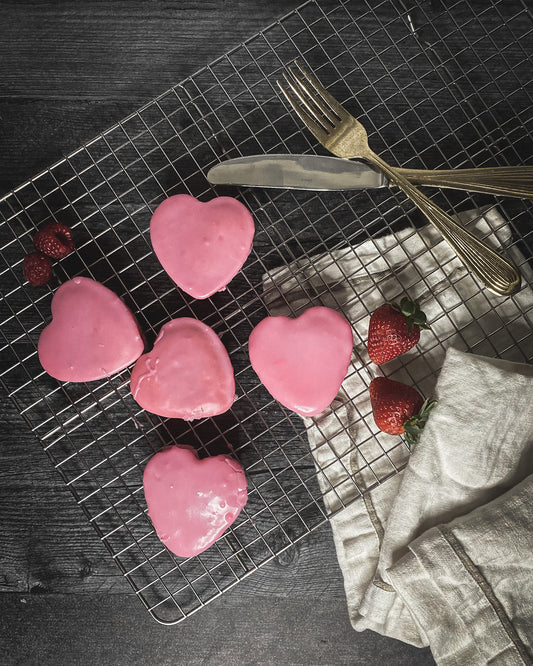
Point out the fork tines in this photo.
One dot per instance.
(316, 108)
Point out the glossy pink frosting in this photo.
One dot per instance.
(191, 502)
(92, 333)
(202, 246)
(303, 361)
(188, 374)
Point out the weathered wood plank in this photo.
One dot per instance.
(67, 73)
(119, 50)
(36, 133)
(55, 630)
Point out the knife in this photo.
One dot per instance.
(296, 172)
(316, 172)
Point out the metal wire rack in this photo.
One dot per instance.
(433, 87)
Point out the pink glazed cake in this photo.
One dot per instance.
(191, 502)
(303, 361)
(92, 333)
(187, 375)
(202, 246)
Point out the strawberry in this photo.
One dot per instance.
(398, 408)
(394, 329)
(37, 268)
(55, 240)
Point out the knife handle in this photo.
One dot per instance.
(484, 262)
(501, 181)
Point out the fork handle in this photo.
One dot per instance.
(498, 274)
(501, 181)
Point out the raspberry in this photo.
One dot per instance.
(37, 268)
(55, 240)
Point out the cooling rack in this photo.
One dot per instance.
(433, 87)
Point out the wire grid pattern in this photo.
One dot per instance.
(419, 73)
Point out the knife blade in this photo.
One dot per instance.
(296, 172)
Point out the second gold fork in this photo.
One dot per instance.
(344, 136)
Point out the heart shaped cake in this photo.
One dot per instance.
(92, 333)
(187, 375)
(303, 361)
(191, 502)
(202, 246)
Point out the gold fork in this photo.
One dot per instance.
(344, 136)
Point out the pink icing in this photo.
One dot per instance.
(92, 333)
(303, 361)
(188, 374)
(202, 246)
(191, 502)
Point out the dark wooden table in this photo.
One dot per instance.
(67, 71)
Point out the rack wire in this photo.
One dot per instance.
(433, 86)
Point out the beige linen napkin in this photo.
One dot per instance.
(351, 455)
(469, 584)
(477, 444)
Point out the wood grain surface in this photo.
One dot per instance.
(67, 71)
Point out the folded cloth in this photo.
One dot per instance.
(477, 444)
(353, 458)
(469, 584)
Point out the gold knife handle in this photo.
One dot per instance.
(486, 264)
(501, 181)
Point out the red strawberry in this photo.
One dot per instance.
(394, 329)
(399, 408)
(55, 240)
(37, 268)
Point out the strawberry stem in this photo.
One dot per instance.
(413, 426)
(412, 313)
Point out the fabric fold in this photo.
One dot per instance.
(477, 444)
(469, 583)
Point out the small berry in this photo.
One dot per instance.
(399, 409)
(394, 329)
(55, 240)
(37, 268)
